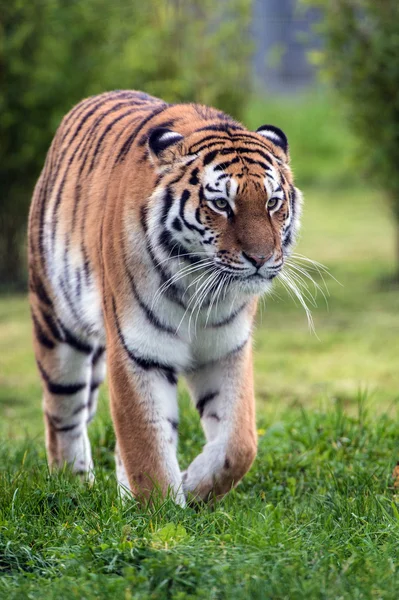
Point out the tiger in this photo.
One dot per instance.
(153, 230)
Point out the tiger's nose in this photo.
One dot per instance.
(258, 260)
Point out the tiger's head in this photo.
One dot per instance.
(225, 199)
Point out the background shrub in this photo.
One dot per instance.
(54, 53)
(361, 59)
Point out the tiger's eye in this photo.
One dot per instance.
(272, 203)
(221, 203)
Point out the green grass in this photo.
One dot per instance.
(318, 514)
(316, 517)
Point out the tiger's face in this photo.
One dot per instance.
(229, 205)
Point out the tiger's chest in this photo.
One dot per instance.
(188, 339)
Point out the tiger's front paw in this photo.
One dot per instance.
(216, 471)
(207, 475)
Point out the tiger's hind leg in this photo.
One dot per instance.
(66, 367)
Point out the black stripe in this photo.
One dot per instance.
(233, 161)
(41, 336)
(87, 144)
(98, 102)
(220, 144)
(55, 420)
(173, 248)
(194, 176)
(79, 409)
(230, 318)
(42, 206)
(177, 224)
(89, 138)
(257, 147)
(184, 198)
(174, 424)
(216, 361)
(247, 138)
(228, 150)
(288, 237)
(59, 195)
(213, 416)
(242, 150)
(225, 127)
(172, 291)
(66, 428)
(71, 305)
(76, 343)
(167, 204)
(86, 260)
(232, 267)
(261, 164)
(128, 143)
(95, 385)
(208, 241)
(217, 139)
(60, 389)
(292, 198)
(150, 315)
(65, 260)
(82, 121)
(209, 157)
(144, 363)
(78, 277)
(40, 291)
(143, 218)
(198, 217)
(72, 117)
(204, 400)
(51, 323)
(105, 132)
(98, 98)
(183, 173)
(97, 355)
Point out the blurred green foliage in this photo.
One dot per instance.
(361, 58)
(322, 148)
(54, 53)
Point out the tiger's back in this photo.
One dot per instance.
(147, 235)
(69, 197)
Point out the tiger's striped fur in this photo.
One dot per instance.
(153, 229)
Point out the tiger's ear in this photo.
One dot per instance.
(274, 135)
(162, 139)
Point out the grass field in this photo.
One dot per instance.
(318, 514)
(316, 517)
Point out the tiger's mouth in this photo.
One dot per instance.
(266, 277)
(264, 272)
(235, 275)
